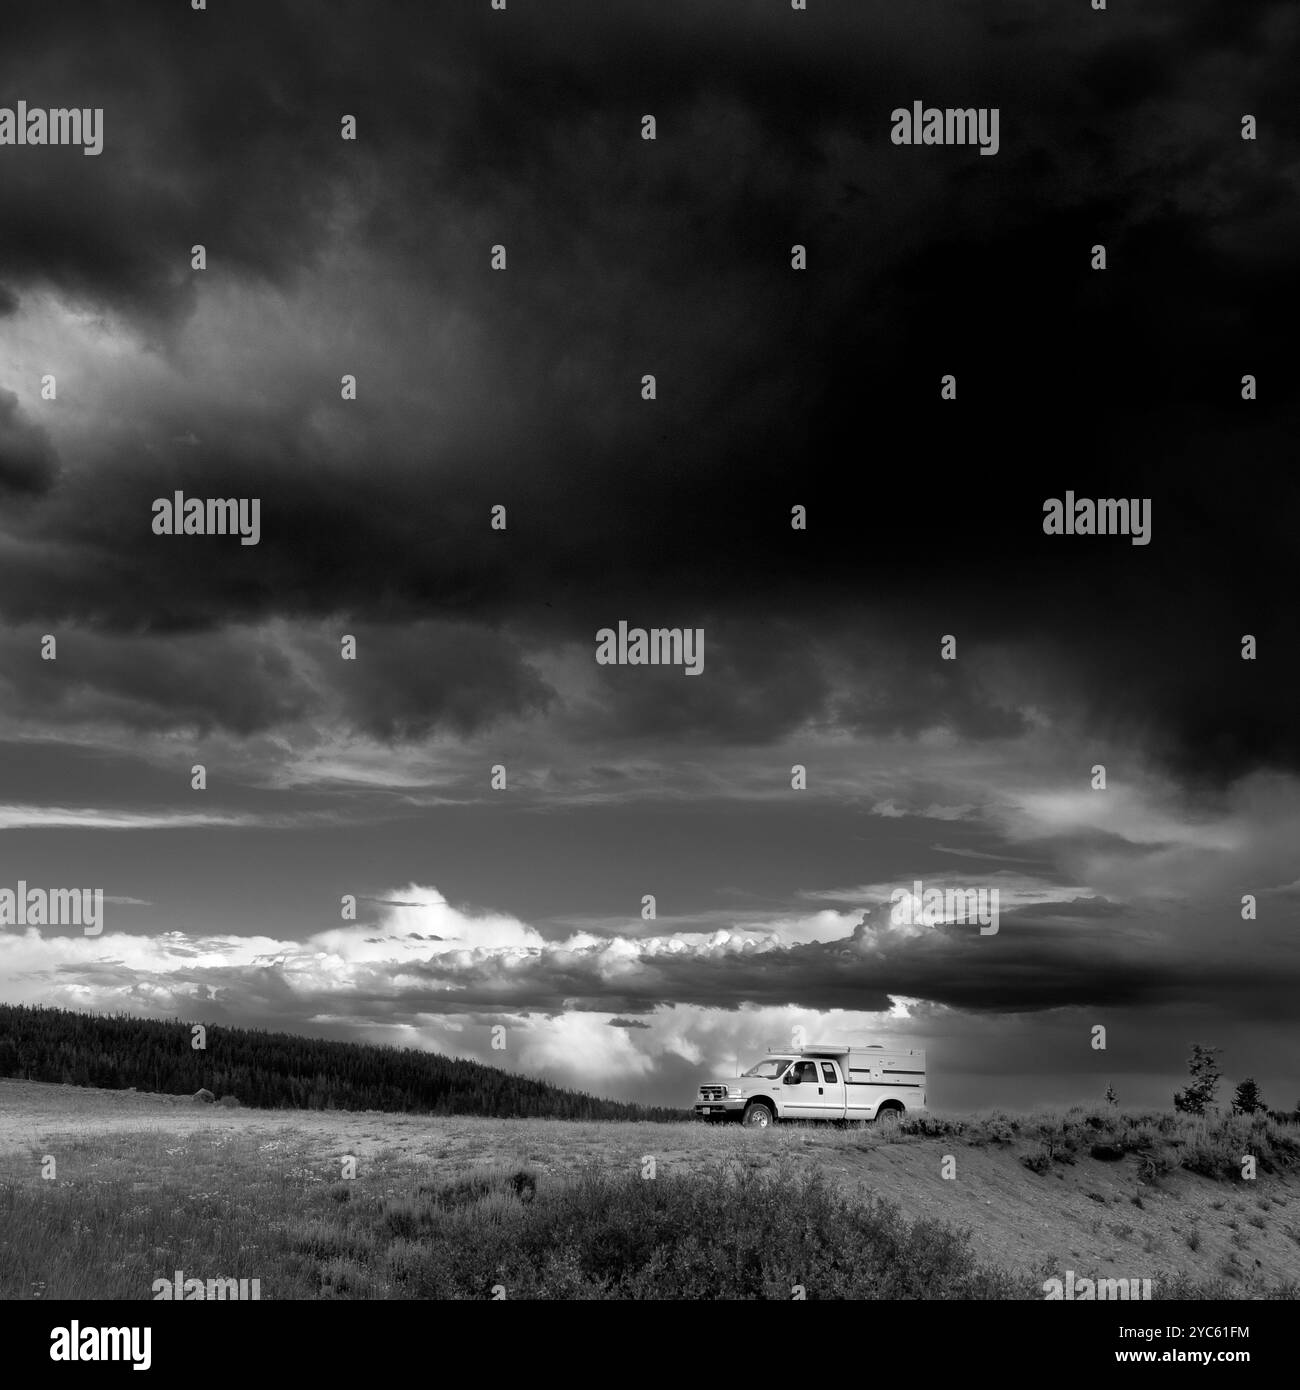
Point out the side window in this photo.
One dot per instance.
(828, 1073)
(808, 1072)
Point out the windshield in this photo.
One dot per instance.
(769, 1069)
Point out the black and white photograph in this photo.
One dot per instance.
(648, 653)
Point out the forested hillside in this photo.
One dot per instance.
(278, 1070)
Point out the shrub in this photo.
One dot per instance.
(931, 1126)
(1155, 1163)
(711, 1236)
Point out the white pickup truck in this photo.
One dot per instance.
(823, 1082)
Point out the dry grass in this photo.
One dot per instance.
(145, 1187)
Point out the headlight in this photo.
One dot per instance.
(734, 1093)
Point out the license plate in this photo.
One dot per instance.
(704, 1109)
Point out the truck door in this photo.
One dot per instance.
(830, 1091)
(862, 1085)
(800, 1098)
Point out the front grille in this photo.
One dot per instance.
(713, 1093)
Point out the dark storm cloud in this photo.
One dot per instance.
(28, 464)
(765, 680)
(762, 681)
(774, 387)
(156, 684)
(217, 132)
(898, 686)
(1029, 966)
(405, 682)
(1037, 962)
(425, 676)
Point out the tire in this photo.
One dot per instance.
(888, 1116)
(758, 1115)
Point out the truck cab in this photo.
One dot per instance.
(820, 1082)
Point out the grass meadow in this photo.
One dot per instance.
(730, 1214)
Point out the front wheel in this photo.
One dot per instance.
(758, 1116)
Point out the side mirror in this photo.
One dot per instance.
(791, 1079)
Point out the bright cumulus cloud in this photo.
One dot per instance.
(420, 921)
(400, 974)
(410, 950)
(414, 932)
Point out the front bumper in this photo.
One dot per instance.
(710, 1109)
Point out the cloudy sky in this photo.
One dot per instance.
(775, 388)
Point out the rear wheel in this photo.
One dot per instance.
(758, 1116)
(889, 1115)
